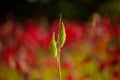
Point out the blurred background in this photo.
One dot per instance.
(91, 50)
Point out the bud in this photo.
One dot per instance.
(53, 47)
(96, 19)
(62, 36)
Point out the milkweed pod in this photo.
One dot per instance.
(53, 47)
(62, 36)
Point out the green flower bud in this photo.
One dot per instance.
(62, 36)
(53, 47)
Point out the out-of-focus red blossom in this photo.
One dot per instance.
(67, 65)
(109, 63)
(115, 74)
(70, 77)
(7, 28)
(74, 31)
(14, 52)
(106, 23)
(32, 29)
(29, 41)
(35, 35)
(18, 30)
(115, 54)
(9, 53)
(116, 31)
(106, 65)
(101, 65)
(31, 35)
(31, 57)
(45, 41)
(51, 62)
(17, 66)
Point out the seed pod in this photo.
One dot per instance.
(62, 36)
(53, 47)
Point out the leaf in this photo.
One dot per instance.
(53, 47)
(62, 36)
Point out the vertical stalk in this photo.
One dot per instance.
(58, 50)
(59, 66)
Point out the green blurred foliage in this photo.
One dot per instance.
(110, 7)
(70, 9)
(9, 74)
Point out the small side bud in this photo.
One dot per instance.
(96, 19)
(53, 47)
(62, 36)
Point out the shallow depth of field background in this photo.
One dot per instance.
(91, 50)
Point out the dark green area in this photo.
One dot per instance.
(70, 9)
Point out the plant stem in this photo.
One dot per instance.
(58, 50)
(59, 66)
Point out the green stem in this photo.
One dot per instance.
(59, 66)
(58, 50)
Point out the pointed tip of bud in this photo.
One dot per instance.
(60, 16)
(62, 24)
(53, 35)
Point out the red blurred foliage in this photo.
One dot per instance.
(51, 62)
(9, 53)
(22, 51)
(35, 36)
(67, 65)
(116, 32)
(69, 77)
(115, 74)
